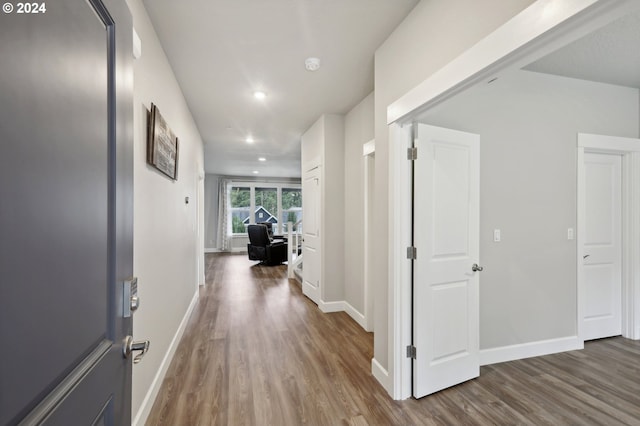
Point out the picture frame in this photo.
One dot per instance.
(162, 144)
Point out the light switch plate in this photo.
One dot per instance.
(570, 234)
(496, 236)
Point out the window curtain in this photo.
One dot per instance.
(223, 242)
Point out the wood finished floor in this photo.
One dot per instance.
(257, 352)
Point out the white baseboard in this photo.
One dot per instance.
(147, 403)
(233, 250)
(528, 350)
(313, 293)
(327, 307)
(382, 376)
(353, 313)
(343, 306)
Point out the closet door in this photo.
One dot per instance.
(311, 225)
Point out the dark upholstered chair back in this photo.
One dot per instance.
(261, 247)
(258, 235)
(269, 226)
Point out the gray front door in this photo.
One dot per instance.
(65, 211)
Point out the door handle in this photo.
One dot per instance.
(129, 346)
(476, 268)
(585, 256)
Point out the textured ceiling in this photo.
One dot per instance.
(223, 50)
(609, 55)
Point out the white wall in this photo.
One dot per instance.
(333, 220)
(433, 34)
(165, 228)
(358, 130)
(528, 124)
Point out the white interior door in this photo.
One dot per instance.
(446, 236)
(311, 247)
(601, 290)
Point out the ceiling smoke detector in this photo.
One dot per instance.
(312, 64)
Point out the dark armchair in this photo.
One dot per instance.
(261, 247)
(272, 237)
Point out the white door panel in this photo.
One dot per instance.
(311, 271)
(450, 200)
(446, 229)
(602, 263)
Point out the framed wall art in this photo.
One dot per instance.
(162, 144)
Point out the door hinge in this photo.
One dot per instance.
(411, 352)
(412, 153)
(412, 253)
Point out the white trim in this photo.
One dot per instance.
(369, 160)
(355, 314)
(343, 306)
(530, 349)
(263, 184)
(629, 149)
(232, 250)
(608, 144)
(137, 45)
(632, 315)
(147, 403)
(369, 148)
(312, 292)
(381, 375)
(328, 307)
(544, 26)
(580, 219)
(399, 294)
(539, 29)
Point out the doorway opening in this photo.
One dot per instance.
(607, 219)
(530, 181)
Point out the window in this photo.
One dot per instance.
(291, 207)
(240, 204)
(267, 207)
(273, 203)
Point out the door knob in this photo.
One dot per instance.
(477, 268)
(129, 346)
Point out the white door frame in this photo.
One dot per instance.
(368, 153)
(629, 150)
(200, 264)
(541, 28)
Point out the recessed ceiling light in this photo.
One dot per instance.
(249, 139)
(312, 64)
(259, 95)
(262, 159)
(255, 172)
